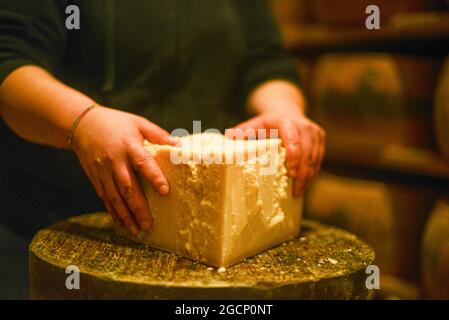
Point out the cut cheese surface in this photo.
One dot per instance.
(228, 200)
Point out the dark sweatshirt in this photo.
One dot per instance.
(171, 61)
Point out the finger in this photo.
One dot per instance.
(318, 167)
(99, 189)
(113, 214)
(314, 164)
(154, 133)
(249, 129)
(131, 192)
(142, 161)
(102, 194)
(298, 187)
(291, 140)
(322, 142)
(116, 201)
(304, 163)
(245, 134)
(230, 133)
(94, 181)
(253, 123)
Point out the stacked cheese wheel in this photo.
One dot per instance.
(375, 99)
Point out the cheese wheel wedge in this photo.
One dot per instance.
(228, 200)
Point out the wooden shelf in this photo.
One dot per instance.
(390, 159)
(421, 34)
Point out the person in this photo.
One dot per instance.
(148, 67)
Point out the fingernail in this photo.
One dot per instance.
(146, 224)
(134, 230)
(175, 141)
(292, 172)
(297, 193)
(163, 189)
(229, 133)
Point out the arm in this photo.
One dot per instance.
(108, 143)
(281, 104)
(41, 109)
(277, 96)
(38, 107)
(270, 89)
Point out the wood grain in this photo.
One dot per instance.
(321, 263)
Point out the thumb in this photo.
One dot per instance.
(153, 133)
(247, 129)
(253, 123)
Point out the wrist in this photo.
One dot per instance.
(277, 97)
(75, 124)
(80, 136)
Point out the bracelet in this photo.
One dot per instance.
(76, 123)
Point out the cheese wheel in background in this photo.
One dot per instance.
(389, 217)
(441, 111)
(373, 99)
(435, 253)
(351, 13)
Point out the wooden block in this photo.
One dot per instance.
(321, 263)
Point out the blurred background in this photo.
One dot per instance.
(383, 97)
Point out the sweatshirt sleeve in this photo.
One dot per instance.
(31, 32)
(266, 58)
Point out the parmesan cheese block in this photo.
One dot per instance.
(228, 200)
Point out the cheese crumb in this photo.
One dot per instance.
(221, 269)
(333, 261)
(210, 269)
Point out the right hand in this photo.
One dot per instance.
(109, 146)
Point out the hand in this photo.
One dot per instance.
(109, 146)
(303, 140)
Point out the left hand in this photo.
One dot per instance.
(303, 140)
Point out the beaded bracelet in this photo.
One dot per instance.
(76, 123)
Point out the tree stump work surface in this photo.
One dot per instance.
(321, 263)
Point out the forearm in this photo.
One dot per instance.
(276, 96)
(38, 107)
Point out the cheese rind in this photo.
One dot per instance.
(221, 213)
